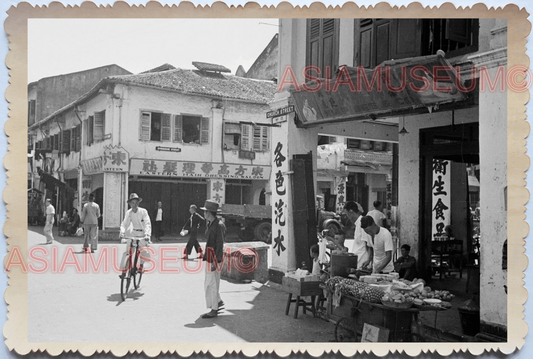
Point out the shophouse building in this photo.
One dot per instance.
(437, 139)
(174, 135)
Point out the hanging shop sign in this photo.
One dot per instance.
(167, 168)
(441, 198)
(92, 166)
(392, 87)
(115, 159)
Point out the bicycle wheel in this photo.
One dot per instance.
(137, 278)
(125, 284)
(344, 331)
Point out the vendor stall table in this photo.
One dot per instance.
(301, 289)
(352, 313)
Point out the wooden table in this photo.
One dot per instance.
(301, 289)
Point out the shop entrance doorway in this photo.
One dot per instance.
(449, 157)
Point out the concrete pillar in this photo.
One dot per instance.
(287, 141)
(113, 199)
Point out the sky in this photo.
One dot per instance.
(61, 46)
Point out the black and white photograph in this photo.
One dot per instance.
(334, 181)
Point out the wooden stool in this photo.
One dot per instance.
(301, 290)
(300, 302)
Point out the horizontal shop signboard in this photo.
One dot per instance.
(386, 90)
(166, 168)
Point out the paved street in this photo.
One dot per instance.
(68, 306)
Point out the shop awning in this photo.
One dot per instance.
(51, 182)
(391, 88)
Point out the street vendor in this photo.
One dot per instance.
(380, 246)
(352, 230)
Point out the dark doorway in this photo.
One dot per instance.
(176, 198)
(458, 145)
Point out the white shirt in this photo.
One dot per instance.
(381, 244)
(159, 216)
(136, 224)
(359, 243)
(377, 216)
(50, 210)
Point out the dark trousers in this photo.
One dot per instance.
(193, 243)
(157, 229)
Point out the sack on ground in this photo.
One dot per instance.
(79, 232)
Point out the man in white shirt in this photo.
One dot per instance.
(158, 221)
(377, 214)
(136, 224)
(380, 246)
(50, 213)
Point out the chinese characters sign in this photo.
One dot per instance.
(441, 197)
(115, 159)
(280, 198)
(148, 167)
(340, 190)
(92, 166)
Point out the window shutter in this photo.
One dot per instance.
(73, 139)
(56, 142)
(178, 125)
(144, 133)
(204, 133)
(323, 45)
(257, 138)
(90, 126)
(245, 137)
(166, 130)
(65, 144)
(99, 126)
(266, 139)
(458, 30)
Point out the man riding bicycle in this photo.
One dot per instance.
(136, 225)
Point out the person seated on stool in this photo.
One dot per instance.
(314, 251)
(406, 264)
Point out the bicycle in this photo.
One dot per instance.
(131, 271)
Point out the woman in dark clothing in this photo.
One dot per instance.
(74, 222)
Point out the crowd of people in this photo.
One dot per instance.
(137, 224)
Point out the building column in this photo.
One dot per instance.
(287, 141)
(113, 199)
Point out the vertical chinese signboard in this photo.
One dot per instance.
(340, 191)
(441, 198)
(280, 167)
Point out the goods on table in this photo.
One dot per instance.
(398, 300)
(355, 289)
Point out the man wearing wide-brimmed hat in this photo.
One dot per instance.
(136, 224)
(213, 255)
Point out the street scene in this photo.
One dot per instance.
(345, 191)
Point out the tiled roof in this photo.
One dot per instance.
(196, 82)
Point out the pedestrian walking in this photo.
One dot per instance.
(193, 224)
(89, 217)
(213, 256)
(50, 213)
(136, 224)
(157, 221)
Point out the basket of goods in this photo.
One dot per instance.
(397, 300)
